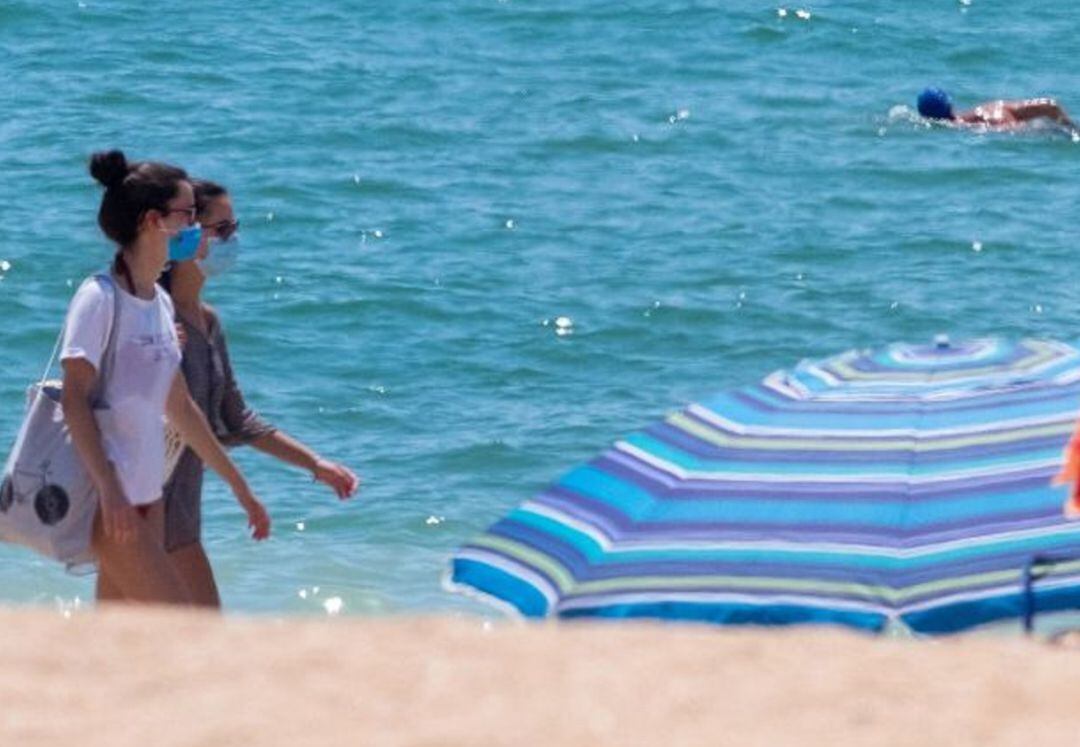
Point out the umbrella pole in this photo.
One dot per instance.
(1037, 568)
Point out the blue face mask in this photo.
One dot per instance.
(185, 244)
(220, 256)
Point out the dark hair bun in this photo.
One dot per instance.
(109, 167)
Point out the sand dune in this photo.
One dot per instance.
(164, 678)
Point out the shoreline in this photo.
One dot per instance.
(167, 677)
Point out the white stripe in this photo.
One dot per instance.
(947, 391)
(901, 478)
(951, 391)
(787, 386)
(943, 390)
(921, 434)
(811, 369)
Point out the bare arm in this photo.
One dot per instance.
(281, 445)
(1036, 108)
(245, 426)
(117, 515)
(186, 417)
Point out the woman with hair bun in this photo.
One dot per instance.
(148, 210)
(210, 379)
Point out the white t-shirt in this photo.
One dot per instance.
(147, 356)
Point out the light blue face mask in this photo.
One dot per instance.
(185, 244)
(220, 256)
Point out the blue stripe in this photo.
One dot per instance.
(617, 526)
(497, 583)
(732, 614)
(1006, 553)
(633, 501)
(955, 618)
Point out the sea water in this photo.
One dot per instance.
(482, 239)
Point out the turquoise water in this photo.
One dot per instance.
(706, 191)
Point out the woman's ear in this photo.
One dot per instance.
(150, 219)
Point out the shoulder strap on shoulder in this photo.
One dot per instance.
(107, 284)
(108, 353)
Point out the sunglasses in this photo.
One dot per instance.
(191, 212)
(223, 229)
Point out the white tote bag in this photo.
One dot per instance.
(47, 499)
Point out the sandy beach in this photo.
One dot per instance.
(164, 678)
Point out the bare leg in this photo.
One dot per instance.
(139, 570)
(193, 567)
(105, 590)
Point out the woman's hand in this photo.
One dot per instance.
(118, 519)
(258, 518)
(340, 478)
(189, 420)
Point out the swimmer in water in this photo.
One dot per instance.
(999, 115)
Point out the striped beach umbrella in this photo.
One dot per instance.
(908, 484)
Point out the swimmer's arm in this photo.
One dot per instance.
(189, 420)
(118, 520)
(1036, 108)
(983, 114)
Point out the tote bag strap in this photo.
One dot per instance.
(108, 355)
(52, 357)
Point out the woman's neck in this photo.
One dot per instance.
(186, 289)
(143, 270)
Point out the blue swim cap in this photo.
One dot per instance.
(935, 104)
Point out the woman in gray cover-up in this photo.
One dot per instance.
(210, 379)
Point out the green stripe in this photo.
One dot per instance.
(895, 597)
(530, 557)
(569, 587)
